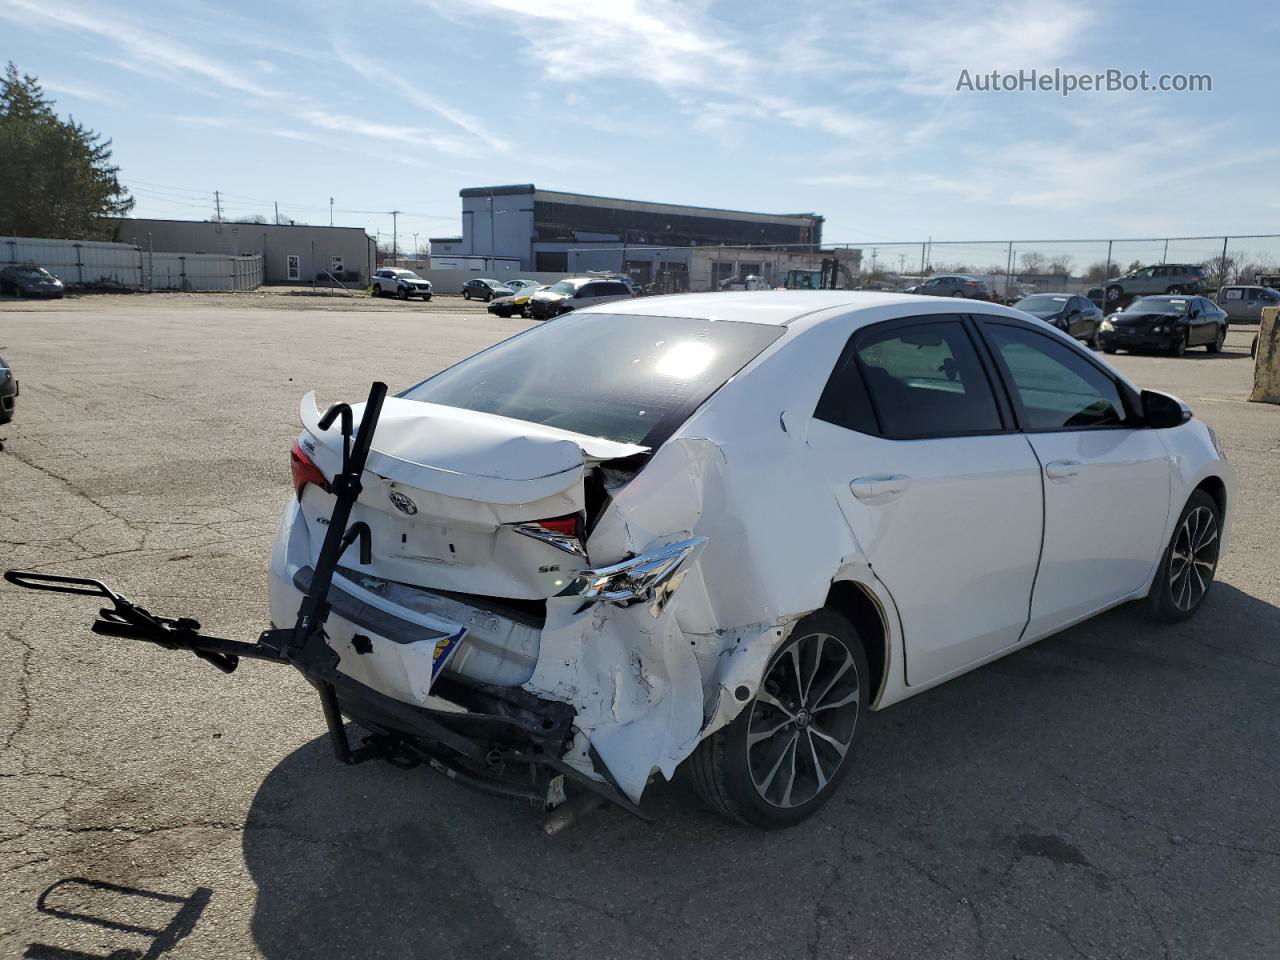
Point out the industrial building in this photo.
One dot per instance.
(554, 232)
(291, 253)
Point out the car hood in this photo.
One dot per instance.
(548, 295)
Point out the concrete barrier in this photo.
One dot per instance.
(1266, 364)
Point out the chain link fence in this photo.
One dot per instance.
(1014, 267)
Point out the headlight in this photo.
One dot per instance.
(650, 577)
(1158, 329)
(1107, 325)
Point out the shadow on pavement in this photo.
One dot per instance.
(1026, 807)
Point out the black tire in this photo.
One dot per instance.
(402, 293)
(427, 298)
(1179, 346)
(1215, 345)
(1114, 293)
(1174, 595)
(1108, 349)
(721, 766)
(375, 291)
(1175, 289)
(466, 294)
(1093, 343)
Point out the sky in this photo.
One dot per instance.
(847, 109)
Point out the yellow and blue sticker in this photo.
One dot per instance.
(445, 649)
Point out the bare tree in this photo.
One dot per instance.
(1033, 262)
(1062, 263)
(1097, 271)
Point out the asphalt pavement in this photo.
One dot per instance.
(1111, 792)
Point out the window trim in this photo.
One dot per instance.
(1129, 400)
(850, 354)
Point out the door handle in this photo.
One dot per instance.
(880, 487)
(1061, 469)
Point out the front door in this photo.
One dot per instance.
(1106, 479)
(293, 266)
(941, 494)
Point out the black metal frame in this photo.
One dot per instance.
(401, 732)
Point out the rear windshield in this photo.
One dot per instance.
(633, 379)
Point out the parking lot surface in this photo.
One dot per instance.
(1110, 792)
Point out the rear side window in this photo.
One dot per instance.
(914, 381)
(1058, 389)
(634, 382)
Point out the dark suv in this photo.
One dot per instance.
(1161, 278)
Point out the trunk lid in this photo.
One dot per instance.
(444, 490)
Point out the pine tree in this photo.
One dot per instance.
(56, 177)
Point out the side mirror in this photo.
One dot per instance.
(1160, 410)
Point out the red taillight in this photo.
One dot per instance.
(570, 526)
(304, 471)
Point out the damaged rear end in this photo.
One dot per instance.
(501, 586)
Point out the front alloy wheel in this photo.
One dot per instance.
(785, 753)
(1186, 572)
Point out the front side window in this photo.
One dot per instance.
(925, 380)
(1058, 388)
(632, 382)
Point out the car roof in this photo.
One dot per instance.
(1173, 296)
(782, 307)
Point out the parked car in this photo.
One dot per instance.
(393, 281)
(953, 285)
(574, 294)
(1243, 304)
(1171, 324)
(8, 392)
(521, 285)
(1097, 296)
(1162, 278)
(1073, 315)
(30, 280)
(481, 289)
(599, 544)
(517, 305)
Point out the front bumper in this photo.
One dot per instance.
(1123, 339)
(8, 394)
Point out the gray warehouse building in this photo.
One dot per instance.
(556, 232)
(291, 253)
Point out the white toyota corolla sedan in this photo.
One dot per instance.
(717, 529)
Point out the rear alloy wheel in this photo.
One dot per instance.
(1113, 293)
(1174, 289)
(403, 293)
(1216, 345)
(787, 751)
(1186, 572)
(958, 293)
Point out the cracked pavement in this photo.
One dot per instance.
(1111, 792)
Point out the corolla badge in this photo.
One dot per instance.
(403, 503)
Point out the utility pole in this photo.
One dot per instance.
(394, 214)
(217, 202)
(277, 213)
(415, 246)
(331, 211)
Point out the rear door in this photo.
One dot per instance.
(1106, 477)
(942, 494)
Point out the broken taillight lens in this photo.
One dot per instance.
(304, 470)
(570, 526)
(563, 533)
